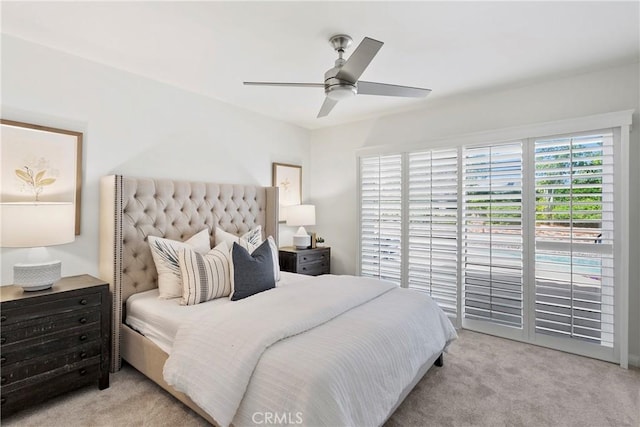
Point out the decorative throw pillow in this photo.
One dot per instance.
(253, 236)
(165, 256)
(205, 277)
(230, 239)
(243, 241)
(253, 272)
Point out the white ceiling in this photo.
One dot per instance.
(450, 47)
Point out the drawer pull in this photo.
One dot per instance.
(3, 380)
(304, 258)
(83, 355)
(83, 337)
(83, 301)
(3, 318)
(3, 340)
(83, 371)
(304, 268)
(83, 320)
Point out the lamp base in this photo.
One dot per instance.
(37, 276)
(301, 241)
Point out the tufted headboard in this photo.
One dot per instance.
(133, 208)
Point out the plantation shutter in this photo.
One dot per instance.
(574, 237)
(433, 226)
(492, 246)
(381, 217)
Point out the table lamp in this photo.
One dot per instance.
(35, 225)
(301, 215)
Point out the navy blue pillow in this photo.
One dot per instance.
(252, 272)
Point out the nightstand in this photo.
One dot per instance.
(312, 262)
(53, 341)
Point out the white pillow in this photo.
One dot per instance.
(165, 256)
(205, 277)
(247, 240)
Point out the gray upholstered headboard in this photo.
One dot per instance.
(133, 208)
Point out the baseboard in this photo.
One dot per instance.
(634, 360)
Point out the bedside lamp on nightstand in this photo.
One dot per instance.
(301, 215)
(35, 225)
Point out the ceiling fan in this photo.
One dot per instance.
(341, 81)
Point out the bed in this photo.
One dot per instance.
(348, 350)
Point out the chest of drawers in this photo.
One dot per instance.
(312, 262)
(53, 341)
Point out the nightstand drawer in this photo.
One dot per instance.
(314, 269)
(15, 372)
(35, 347)
(311, 257)
(11, 315)
(44, 326)
(39, 389)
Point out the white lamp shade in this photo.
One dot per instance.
(301, 215)
(32, 224)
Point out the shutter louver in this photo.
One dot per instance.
(574, 238)
(381, 217)
(492, 252)
(433, 226)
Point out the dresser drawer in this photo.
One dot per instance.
(40, 388)
(30, 367)
(313, 257)
(314, 269)
(35, 347)
(43, 326)
(12, 315)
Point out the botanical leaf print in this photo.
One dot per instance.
(169, 254)
(35, 181)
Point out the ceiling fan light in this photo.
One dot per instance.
(338, 93)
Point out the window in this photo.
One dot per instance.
(380, 217)
(574, 237)
(433, 226)
(516, 239)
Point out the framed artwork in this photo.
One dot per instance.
(40, 164)
(288, 178)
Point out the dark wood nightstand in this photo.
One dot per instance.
(312, 262)
(53, 341)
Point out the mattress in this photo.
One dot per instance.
(159, 319)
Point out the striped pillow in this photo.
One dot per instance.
(205, 277)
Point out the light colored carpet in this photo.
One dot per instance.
(486, 381)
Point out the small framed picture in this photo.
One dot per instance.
(288, 178)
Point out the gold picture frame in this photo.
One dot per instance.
(40, 163)
(288, 179)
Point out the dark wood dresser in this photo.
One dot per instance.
(312, 262)
(53, 341)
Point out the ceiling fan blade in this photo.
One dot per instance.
(359, 60)
(327, 106)
(284, 84)
(371, 88)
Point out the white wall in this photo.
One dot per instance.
(136, 126)
(333, 151)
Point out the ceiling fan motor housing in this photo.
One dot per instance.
(338, 89)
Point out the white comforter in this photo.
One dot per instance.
(364, 341)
